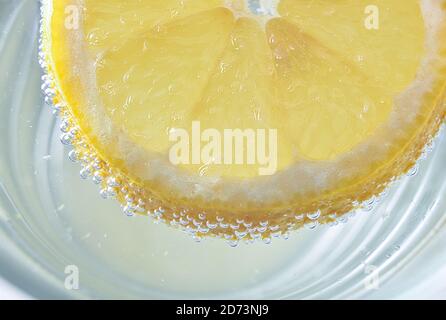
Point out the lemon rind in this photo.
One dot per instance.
(224, 224)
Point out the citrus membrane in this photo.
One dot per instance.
(332, 100)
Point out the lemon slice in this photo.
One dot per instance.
(245, 119)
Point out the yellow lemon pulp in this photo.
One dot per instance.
(353, 91)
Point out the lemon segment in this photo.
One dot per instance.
(331, 104)
(376, 37)
(148, 89)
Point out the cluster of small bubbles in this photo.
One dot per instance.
(332, 219)
(50, 93)
(41, 55)
(46, 82)
(97, 177)
(333, 216)
(57, 108)
(107, 192)
(85, 172)
(369, 205)
(112, 182)
(183, 221)
(140, 207)
(158, 213)
(93, 39)
(351, 214)
(65, 126)
(291, 226)
(333, 223)
(196, 223)
(173, 223)
(111, 192)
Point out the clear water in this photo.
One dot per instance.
(50, 219)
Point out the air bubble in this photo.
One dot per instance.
(235, 226)
(233, 243)
(111, 192)
(103, 193)
(413, 171)
(197, 238)
(85, 173)
(240, 234)
(276, 234)
(247, 224)
(66, 139)
(129, 211)
(112, 182)
(73, 155)
(224, 225)
(211, 225)
(196, 223)
(314, 216)
(203, 230)
(311, 225)
(65, 126)
(343, 219)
